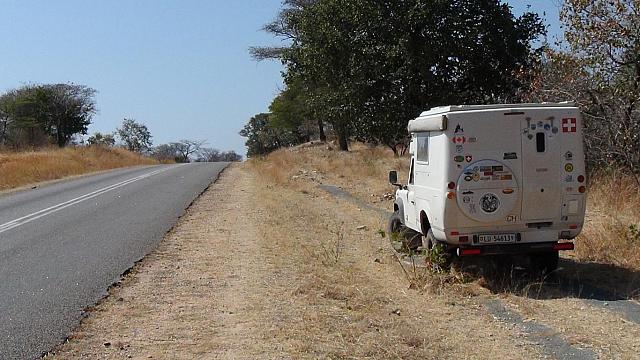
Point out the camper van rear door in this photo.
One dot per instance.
(541, 187)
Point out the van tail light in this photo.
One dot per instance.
(468, 252)
(451, 185)
(573, 227)
(455, 233)
(451, 195)
(582, 189)
(563, 246)
(581, 178)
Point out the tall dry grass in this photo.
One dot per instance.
(611, 233)
(23, 168)
(363, 170)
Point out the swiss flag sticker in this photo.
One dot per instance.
(569, 125)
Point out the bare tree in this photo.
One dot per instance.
(186, 148)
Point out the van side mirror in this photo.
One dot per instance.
(393, 177)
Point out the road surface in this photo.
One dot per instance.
(62, 245)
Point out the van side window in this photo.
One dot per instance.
(423, 147)
(411, 173)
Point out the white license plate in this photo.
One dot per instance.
(496, 238)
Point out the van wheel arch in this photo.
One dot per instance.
(398, 206)
(425, 224)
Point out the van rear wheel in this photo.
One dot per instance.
(411, 240)
(437, 254)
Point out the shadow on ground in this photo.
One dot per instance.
(589, 281)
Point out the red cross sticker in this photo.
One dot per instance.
(569, 125)
(459, 140)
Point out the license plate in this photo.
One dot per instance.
(496, 238)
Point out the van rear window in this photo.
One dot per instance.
(540, 142)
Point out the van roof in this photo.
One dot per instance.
(455, 108)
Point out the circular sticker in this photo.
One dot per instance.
(568, 168)
(489, 203)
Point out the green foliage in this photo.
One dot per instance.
(135, 136)
(35, 114)
(634, 232)
(263, 137)
(438, 258)
(370, 66)
(290, 112)
(101, 139)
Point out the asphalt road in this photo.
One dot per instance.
(62, 245)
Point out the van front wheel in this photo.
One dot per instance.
(411, 240)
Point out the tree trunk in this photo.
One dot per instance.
(342, 139)
(323, 137)
(394, 149)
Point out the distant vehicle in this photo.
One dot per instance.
(494, 179)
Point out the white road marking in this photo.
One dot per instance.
(55, 208)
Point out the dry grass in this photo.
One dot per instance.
(23, 168)
(295, 281)
(611, 234)
(362, 171)
(304, 275)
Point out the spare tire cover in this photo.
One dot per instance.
(487, 191)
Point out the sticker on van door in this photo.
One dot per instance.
(492, 194)
(569, 125)
(489, 203)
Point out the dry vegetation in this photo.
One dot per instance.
(612, 230)
(304, 275)
(362, 171)
(24, 168)
(299, 281)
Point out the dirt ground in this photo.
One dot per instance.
(255, 270)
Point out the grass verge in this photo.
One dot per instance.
(24, 168)
(611, 234)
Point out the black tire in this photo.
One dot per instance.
(430, 242)
(545, 263)
(410, 239)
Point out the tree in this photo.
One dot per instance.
(291, 111)
(101, 139)
(215, 155)
(209, 155)
(7, 103)
(164, 152)
(263, 138)
(56, 111)
(71, 109)
(601, 72)
(186, 148)
(370, 66)
(135, 136)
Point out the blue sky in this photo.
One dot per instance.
(181, 67)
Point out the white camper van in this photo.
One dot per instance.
(494, 179)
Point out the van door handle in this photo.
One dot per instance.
(413, 202)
